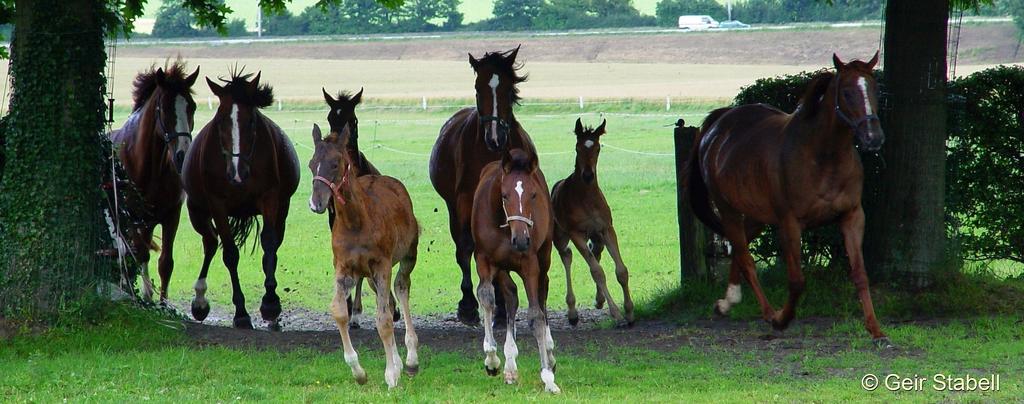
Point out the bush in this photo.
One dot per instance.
(284, 24)
(985, 166)
(781, 11)
(668, 11)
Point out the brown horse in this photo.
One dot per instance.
(374, 229)
(755, 165)
(343, 112)
(512, 231)
(153, 143)
(242, 165)
(581, 215)
(468, 141)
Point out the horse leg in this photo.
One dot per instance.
(596, 248)
(402, 284)
(141, 247)
(579, 240)
(502, 281)
(229, 253)
(169, 229)
(458, 225)
(852, 226)
(386, 324)
(561, 243)
(511, 349)
(270, 241)
(789, 236)
(539, 324)
(201, 223)
(736, 234)
(733, 293)
(485, 295)
(339, 310)
(621, 272)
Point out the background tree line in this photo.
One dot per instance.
(368, 16)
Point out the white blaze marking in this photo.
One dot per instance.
(863, 84)
(588, 144)
(312, 206)
(181, 113)
(236, 146)
(338, 111)
(494, 106)
(519, 190)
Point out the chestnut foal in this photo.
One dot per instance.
(374, 228)
(582, 214)
(512, 229)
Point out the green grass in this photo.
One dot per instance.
(133, 357)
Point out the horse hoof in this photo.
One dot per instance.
(397, 316)
(883, 343)
(200, 311)
(270, 312)
(511, 377)
(717, 310)
(274, 326)
(491, 372)
(574, 319)
(412, 370)
(469, 317)
(243, 323)
(361, 379)
(599, 304)
(778, 325)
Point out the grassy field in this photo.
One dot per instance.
(639, 184)
(134, 357)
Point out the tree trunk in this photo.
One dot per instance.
(51, 225)
(905, 237)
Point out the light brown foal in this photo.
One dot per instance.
(374, 228)
(582, 214)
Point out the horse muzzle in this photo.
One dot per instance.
(521, 244)
(495, 133)
(871, 136)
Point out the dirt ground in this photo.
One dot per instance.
(979, 44)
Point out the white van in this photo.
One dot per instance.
(697, 22)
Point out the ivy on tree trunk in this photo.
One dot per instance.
(51, 224)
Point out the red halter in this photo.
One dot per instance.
(336, 188)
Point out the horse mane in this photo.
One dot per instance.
(344, 96)
(144, 84)
(815, 91)
(520, 160)
(501, 63)
(238, 84)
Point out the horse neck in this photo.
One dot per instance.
(353, 214)
(823, 133)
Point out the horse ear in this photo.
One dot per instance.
(515, 52)
(318, 136)
(836, 62)
(254, 85)
(161, 77)
(358, 97)
(579, 127)
(217, 90)
(327, 97)
(191, 79)
(600, 129)
(472, 61)
(873, 61)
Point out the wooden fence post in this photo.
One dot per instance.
(693, 236)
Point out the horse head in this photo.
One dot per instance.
(174, 108)
(856, 100)
(496, 93)
(343, 111)
(588, 149)
(331, 167)
(237, 130)
(519, 188)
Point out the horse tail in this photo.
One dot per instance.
(241, 228)
(696, 188)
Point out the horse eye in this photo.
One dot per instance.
(534, 196)
(504, 197)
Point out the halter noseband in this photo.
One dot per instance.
(335, 188)
(516, 218)
(854, 125)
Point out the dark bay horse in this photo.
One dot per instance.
(152, 146)
(241, 165)
(342, 112)
(755, 165)
(468, 141)
(512, 230)
(374, 229)
(581, 215)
